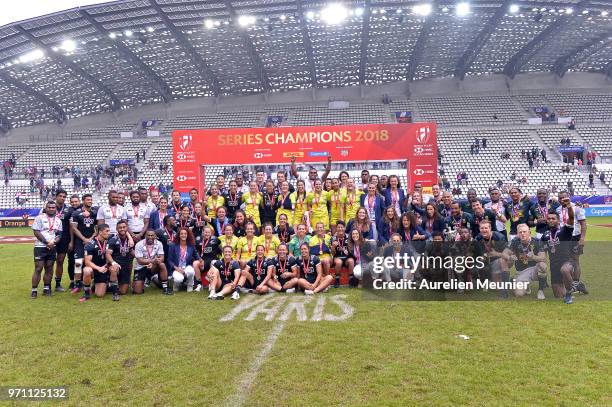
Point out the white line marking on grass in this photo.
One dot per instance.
(247, 380)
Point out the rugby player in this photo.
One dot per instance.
(283, 271)
(311, 278)
(340, 252)
(98, 268)
(137, 216)
(224, 275)
(120, 254)
(111, 212)
(256, 275)
(47, 228)
(83, 227)
(529, 260)
(149, 254)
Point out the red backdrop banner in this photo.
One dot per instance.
(414, 142)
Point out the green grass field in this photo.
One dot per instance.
(154, 350)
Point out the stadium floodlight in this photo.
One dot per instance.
(68, 45)
(150, 29)
(514, 8)
(422, 9)
(245, 20)
(569, 10)
(31, 56)
(463, 9)
(334, 13)
(208, 23)
(112, 36)
(358, 11)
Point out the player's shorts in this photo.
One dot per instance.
(310, 277)
(44, 254)
(141, 274)
(62, 246)
(529, 274)
(256, 282)
(282, 281)
(125, 273)
(555, 271)
(577, 250)
(225, 282)
(207, 263)
(101, 278)
(79, 249)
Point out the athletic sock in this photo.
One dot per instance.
(237, 289)
(541, 283)
(165, 284)
(47, 287)
(87, 291)
(79, 283)
(58, 281)
(34, 289)
(113, 287)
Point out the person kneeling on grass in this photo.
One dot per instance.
(183, 259)
(283, 271)
(98, 267)
(120, 253)
(529, 260)
(223, 276)
(311, 278)
(150, 263)
(255, 275)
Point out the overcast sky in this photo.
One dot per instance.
(17, 10)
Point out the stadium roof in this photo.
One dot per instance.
(122, 54)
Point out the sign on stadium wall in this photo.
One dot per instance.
(416, 143)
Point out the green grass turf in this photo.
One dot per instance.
(161, 351)
(23, 231)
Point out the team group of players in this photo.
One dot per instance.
(276, 236)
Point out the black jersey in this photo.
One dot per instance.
(559, 245)
(464, 221)
(539, 213)
(308, 268)
(258, 269)
(284, 235)
(209, 249)
(486, 215)
(97, 250)
(166, 237)
(341, 251)
(85, 221)
(121, 251)
(267, 208)
(65, 215)
(232, 203)
(484, 246)
(520, 251)
(227, 271)
(182, 223)
(282, 266)
(516, 213)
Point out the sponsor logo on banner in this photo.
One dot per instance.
(318, 154)
(344, 153)
(258, 155)
(419, 171)
(424, 150)
(186, 142)
(181, 178)
(423, 134)
(296, 154)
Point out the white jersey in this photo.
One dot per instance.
(143, 251)
(150, 207)
(135, 216)
(111, 215)
(48, 226)
(578, 216)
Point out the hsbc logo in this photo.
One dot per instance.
(181, 178)
(419, 171)
(181, 156)
(418, 150)
(186, 142)
(422, 136)
(258, 155)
